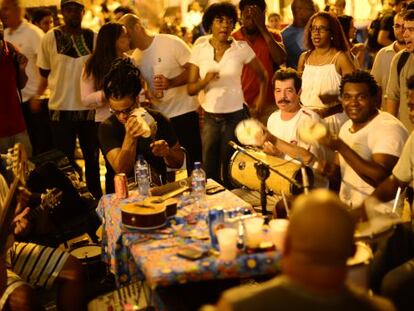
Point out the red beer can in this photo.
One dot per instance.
(121, 186)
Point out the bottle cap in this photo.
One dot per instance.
(197, 165)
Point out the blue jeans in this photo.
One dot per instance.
(218, 130)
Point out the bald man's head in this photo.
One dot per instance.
(321, 230)
(129, 20)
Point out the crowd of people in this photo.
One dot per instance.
(68, 83)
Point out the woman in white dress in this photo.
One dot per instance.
(323, 66)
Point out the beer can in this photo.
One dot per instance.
(215, 222)
(121, 186)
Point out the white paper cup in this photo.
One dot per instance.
(278, 228)
(253, 232)
(227, 239)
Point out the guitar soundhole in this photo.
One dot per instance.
(242, 165)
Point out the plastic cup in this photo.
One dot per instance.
(227, 239)
(253, 234)
(278, 228)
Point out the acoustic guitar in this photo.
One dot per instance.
(151, 213)
(10, 205)
(16, 162)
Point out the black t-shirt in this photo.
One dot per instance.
(387, 23)
(112, 132)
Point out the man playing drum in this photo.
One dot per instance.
(282, 125)
(368, 145)
(283, 139)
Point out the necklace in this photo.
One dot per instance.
(321, 59)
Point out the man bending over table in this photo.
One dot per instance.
(122, 135)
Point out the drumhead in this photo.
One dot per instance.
(87, 252)
(363, 255)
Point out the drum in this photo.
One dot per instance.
(90, 256)
(243, 173)
(358, 265)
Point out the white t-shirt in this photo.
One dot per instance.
(384, 134)
(287, 130)
(225, 94)
(65, 72)
(171, 54)
(27, 38)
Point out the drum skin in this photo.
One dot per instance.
(243, 172)
(90, 257)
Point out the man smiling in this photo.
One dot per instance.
(369, 144)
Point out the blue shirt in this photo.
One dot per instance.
(293, 40)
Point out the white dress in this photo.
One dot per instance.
(318, 80)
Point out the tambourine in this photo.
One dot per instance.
(145, 119)
(312, 131)
(250, 132)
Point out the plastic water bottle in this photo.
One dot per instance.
(142, 176)
(198, 182)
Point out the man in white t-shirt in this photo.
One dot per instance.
(64, 50)
(163, 62)
(369, 143)
(27, 37)
(284, 123)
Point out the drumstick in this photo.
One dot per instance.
(396, 200)
(285, 204)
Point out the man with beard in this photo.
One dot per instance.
(397, 88)
(267, 47)
(369, 143)
(64, 50)
(382, 62)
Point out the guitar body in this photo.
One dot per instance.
(152, 213)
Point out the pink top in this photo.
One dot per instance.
(93, 99)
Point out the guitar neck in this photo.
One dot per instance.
(174, 193)
(8, 213)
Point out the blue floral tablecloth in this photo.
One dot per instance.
(151, 255)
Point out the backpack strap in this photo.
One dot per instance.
(401, 63)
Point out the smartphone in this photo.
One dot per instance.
(191, 252)
(215, 189)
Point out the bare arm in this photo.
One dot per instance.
(372, 171)
(195, 83)
(392, 106)
(301, 63)
(261, 74)
(122, 159)
(22, 62)
(277, 51)
(344, 64)
(173, 156)
(163, 83)
(291, 150)
(388, 188)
